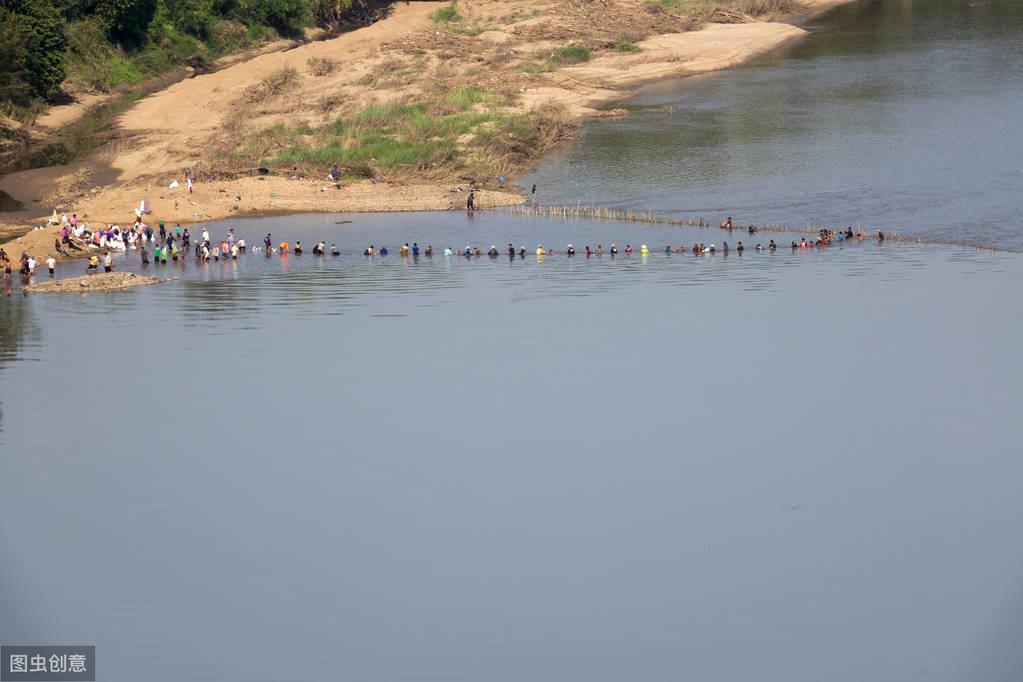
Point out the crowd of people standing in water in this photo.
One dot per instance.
(162, 245)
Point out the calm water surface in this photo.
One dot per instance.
(790, 466)
(785, 466)
(900, 115)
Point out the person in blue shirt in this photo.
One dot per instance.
(415, 249)
(383, 250)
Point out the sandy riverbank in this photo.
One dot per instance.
(394, 58)
(86, 284)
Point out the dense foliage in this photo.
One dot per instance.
(102, 44)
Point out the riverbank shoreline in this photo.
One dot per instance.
(580, 90)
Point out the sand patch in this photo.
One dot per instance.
(86, 284)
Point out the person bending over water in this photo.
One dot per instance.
(334, 251)
(740, 248)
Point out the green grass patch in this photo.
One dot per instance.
(568, 55)
(445, 15)
(625, 47)
(463, 130)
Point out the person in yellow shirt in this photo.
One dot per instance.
(283, 248)
(539, 249)
(93, 264)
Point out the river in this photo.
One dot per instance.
(897, 115)
(798, 465)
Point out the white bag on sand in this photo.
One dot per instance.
(174, 185)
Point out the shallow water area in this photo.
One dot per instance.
(902, 116)
(530, 469)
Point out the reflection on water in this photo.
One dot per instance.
(18, 334)
(9, 203)
(476, 469)
(890, 114)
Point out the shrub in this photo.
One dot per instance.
(277, 83)
(321, 66)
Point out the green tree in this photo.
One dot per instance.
(39, 38)
(194, 17)
(14, 85)
(287, 16)
(126, 21)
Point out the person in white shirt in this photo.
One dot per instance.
(31, 265)
(108, 262)
(51, 264)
